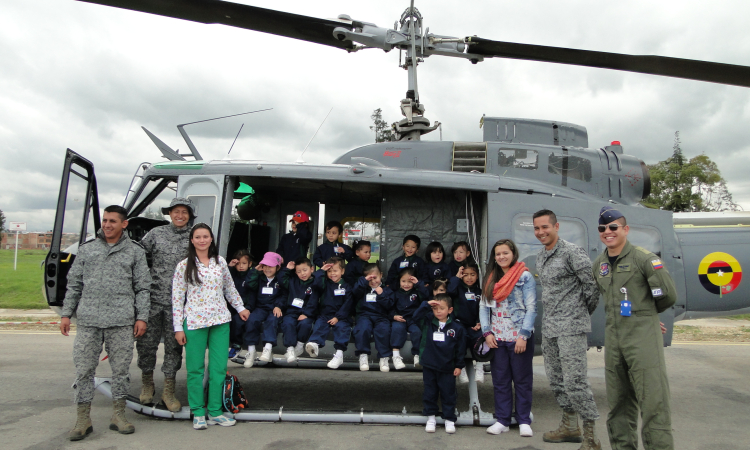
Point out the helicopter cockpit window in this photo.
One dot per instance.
(646, 237)
(145, 212)
(572, 230)
(518, 158)
(574, 167)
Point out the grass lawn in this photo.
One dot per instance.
(740, 317)
(22, 289)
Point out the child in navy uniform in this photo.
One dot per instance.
(238, 268)
(410, 294)
(334, 311)
(373, 300)
(355, 268)
(466, 292)
(299, 308)
(443, 348)
(296, 243)
(461, 254)
(437, 267)
(331, 247)
(266, 309)
(409, 259)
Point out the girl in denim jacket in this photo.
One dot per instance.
(507, 314)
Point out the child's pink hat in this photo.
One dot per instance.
(272, 259)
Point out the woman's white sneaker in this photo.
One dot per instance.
(498, 428)
(525, 430)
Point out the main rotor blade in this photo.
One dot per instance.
(311, 29)
(654, 65)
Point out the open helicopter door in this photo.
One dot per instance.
(76, 221)
(208, 194)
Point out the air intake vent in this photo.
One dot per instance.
(469, 157)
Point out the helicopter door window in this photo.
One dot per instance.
(572, 230)
(149, 207)
(646, 237)
(75, 230)
(574, 167)
(204, 208)
(518, 158)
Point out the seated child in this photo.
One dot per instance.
(266, 309)
(299, 307)
(408, 297)
(466, 292)
(296, 243)
(439, 287)
(354, 270)
(437, 267)
(331, 247)
(461, 254)
(373, 300)
(410, 245)
(334, 311)
(238, 268)
(442, 359)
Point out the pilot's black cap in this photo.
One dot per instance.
(608, 214)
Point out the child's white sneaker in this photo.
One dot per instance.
(364, 364)
(199, 423)
(498, 428)
(299, 349)
(291, 355)
(430, 427)
(249, 358)
(312, 349)
(525, 430)
(450, 427)
(384, 365)
(479, 372)
(398, 362)
(267, 355)
(464, 377)
(416, 362)
(336, 361)
(221, 421)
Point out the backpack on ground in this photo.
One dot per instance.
(233, 397)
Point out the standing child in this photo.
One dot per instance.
(355, 268)
(331, 247)
(201, 320)
(466, 292)
(296, 243)
(410, 294)
(266, 310)
(373, 301)
(334, 312)
(409, 259)
(442, 360)
(238, 267)
(437, 267)
(461, 254)
(299, 308)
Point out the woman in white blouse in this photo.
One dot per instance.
(201, 320)
(507, 314)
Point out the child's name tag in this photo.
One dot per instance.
(403, 265)
(267, 290)
(298, 303)
(438, 336)
(339, 291)
(370, 298)
(471, 297)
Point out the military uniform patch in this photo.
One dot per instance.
(604, 269)
(656, 292)
(657, 264)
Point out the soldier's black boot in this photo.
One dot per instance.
(568, 430)
(590, 442)
(83, 425)
(119, 422)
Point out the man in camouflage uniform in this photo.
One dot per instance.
(108, 290)
(569, 296)
(167, 246)
(636, 287)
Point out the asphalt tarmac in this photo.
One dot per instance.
(709, 385)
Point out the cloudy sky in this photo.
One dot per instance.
(86, 77)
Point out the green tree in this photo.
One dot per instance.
(2, 222)
(680, 185)
(383, 132)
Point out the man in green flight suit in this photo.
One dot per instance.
(636, 287)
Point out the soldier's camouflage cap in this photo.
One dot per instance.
(609, 214)
(180, 201)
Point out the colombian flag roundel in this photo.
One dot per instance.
(720, 273)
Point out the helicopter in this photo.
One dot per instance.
(478, 192)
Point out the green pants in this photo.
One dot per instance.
(216, 339)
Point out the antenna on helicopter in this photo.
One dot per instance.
(194, 151)
(235, 140)
(300, 160)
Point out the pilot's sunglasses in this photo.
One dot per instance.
(612, 226)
